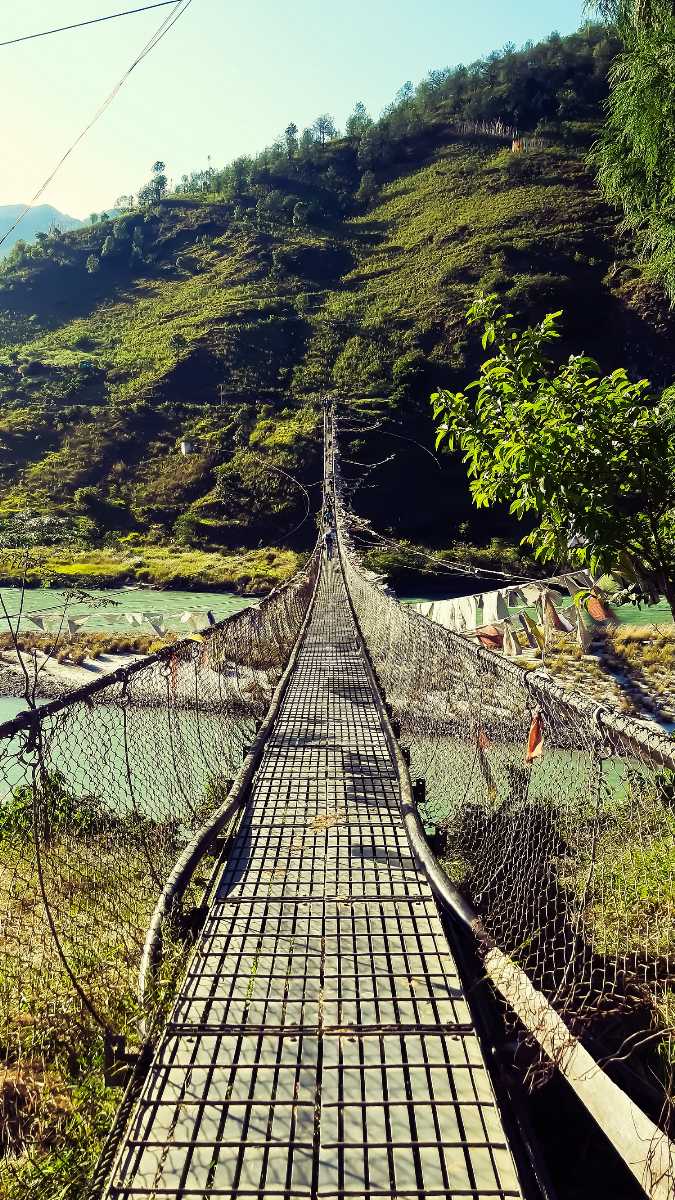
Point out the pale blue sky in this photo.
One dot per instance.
(226, 81)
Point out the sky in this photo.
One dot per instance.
(225, 81)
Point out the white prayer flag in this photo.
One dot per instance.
(467, 613)
(584, 635)
(511, 643)
(38, 622)
(444, 612)
(76, 623)
(494, 607)
(531, 592)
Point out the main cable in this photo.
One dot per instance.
(167, 23)
(129, 12)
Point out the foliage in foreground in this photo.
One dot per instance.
(590, 458)
(635, 153)
(55, 1110)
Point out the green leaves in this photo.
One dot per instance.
(591, 456)
(635, 154)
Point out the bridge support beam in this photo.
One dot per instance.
(645, 1149)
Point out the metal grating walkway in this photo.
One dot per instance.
(321, 1046)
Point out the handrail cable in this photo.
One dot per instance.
(129, 12)
(168, 22)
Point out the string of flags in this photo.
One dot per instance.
(500, 609)
(193, 620)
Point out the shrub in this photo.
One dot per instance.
(52, 805)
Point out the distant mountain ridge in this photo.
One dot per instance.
(37, 220)
(221, 318)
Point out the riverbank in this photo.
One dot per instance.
(248, 572)
(630, 665)
(56, 678)
(631, 669)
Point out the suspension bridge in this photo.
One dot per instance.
(321, 1043)
(235, 817)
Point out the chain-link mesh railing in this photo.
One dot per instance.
(99, 794)
(555, 818)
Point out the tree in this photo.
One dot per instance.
(589, 458)
(153, 191)
(367, 188)
(291, 139)
(270, 205)
(307, 140)
(240, 171)
(373, 148)
(301, 213)
(274, 203)
(178, 343)
(635, 154)
(93, 218)
(627, 13)
(359, 121)
(405, 93)
(124, 202)
(324, 128)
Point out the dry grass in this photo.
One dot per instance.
(75, 648)
(327, 821)
(34, 1108)
(632, 668)
(54, 1109)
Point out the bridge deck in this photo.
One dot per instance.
(321, 1044)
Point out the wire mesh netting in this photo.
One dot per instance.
(100, 794)
(555, 818)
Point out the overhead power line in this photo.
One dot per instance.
(129, 12)
(168, 23)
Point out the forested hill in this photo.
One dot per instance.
(326, 262)
(38, 221)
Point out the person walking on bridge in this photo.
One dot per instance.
(328, 540)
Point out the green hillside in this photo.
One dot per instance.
(221, 318)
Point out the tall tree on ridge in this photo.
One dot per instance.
(291, 139)
(324, 128)
(359, 121)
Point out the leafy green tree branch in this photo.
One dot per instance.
(589, 457)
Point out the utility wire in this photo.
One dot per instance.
(168, 22)
(129, 12)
